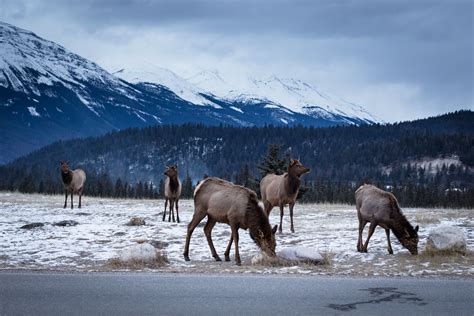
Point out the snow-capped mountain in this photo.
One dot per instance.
(48, 93)
(294, 94)
(149, 73)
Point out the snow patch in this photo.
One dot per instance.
(33, 111)
(236, 109)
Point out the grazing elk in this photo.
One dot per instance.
(225, 202)
(73, 181)
(280, 190)
(172, 191)
(381, 208)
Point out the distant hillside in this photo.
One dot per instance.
(388, 154)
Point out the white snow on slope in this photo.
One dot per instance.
(22, 53)
(296, 95)
(33, 111)
(165, 77)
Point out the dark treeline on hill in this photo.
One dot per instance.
(427, 162)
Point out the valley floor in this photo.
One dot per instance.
(101, 234)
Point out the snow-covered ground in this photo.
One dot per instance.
(101, 234)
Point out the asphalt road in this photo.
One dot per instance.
(30, 293)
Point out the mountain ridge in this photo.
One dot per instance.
(48, 93)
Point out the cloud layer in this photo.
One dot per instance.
(400, 59)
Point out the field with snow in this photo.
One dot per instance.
(102, 233)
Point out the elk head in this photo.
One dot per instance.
(296, 168)
(410, 240)
(267, 241)
(171, 171)
(64, 166)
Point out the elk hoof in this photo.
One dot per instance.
(238, 263)
(186, 258)
(292, 230)
(390, 252)
(227, 258)
(217, 258)
(178, 220)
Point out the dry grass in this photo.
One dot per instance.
(117, 264)
(429, 253)
(427, 219)
(276, 262)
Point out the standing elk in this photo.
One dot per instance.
(73, 181)
(237, 206)
(172, 191)
(381, 208)
(281, 190)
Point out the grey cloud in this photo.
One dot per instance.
(426, 45)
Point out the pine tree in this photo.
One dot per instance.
(187, 187)
(272, 162)
(118, 189)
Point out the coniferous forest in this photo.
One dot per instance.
(427, 162)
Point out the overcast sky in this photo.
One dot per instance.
(401, 59)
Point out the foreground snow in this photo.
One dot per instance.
(102, 233)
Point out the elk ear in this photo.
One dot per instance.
(274, 230)
(416, 228)
(292, 162)
(260, 234)
(67, 162)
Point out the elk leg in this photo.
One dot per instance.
(235, 236)
(197, 218)
(291, 217)
(229, 246)
(371, 231)
(170, 209)
(387, 231)
(362, 224)
(173, 201)
(65, 201)
(268, 207)
(177, 214)
(281, 219)
(208, 231)
(72, 205)
(80, 197)
(164, 212)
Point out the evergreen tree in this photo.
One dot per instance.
(187, 187)
(272, 161)
(118, 189)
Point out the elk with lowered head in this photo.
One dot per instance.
(73, 181)
(281, 190)
(381, 208)
(235, 205)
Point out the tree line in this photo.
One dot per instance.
(130, 163)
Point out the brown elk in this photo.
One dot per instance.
(73, 181)
(281, 190)
(172, 191)
(237, 206)
(381, 208)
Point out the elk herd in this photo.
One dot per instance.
(224, 202)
